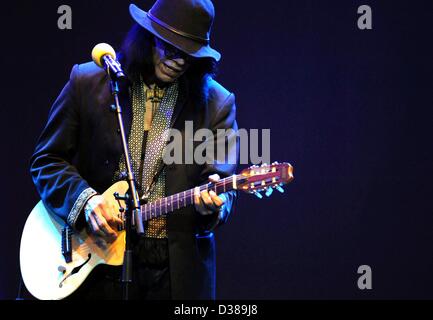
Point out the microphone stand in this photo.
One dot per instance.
(133, 217)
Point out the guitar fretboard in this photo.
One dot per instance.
(179, 200)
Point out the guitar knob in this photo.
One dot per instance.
(279, 189)
(269, 192)
(258, 195)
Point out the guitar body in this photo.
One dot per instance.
(45, 272)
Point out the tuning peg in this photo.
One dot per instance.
(269, 192)
(279, 189)
(257, 194)
(275, 163)
(264, 164)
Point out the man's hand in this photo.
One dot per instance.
(208, 202)
(101, 217)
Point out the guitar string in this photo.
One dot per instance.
(186, 195)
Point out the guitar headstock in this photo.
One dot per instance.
(256, 179)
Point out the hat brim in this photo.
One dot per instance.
(189, 46)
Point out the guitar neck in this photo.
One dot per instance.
(183, 199)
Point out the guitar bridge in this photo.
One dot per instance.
(67, 243)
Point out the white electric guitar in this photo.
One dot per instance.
(55, 261)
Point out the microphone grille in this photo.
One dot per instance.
(101, 50)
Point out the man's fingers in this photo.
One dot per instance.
(95, 227)
(110, 216)
(214, 178)
(207, 201)
(216, 200)
(198, 202)
(108, 231)
(200, 206)
(104, 227)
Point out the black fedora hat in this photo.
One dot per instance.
(185, 24)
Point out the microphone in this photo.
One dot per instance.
(104, 56)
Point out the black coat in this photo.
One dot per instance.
(80, 147)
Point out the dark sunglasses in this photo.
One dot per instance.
(171, 52)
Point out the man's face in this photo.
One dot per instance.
(170, 63)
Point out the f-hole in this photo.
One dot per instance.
(76, 270)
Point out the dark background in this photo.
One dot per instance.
(350, 109)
